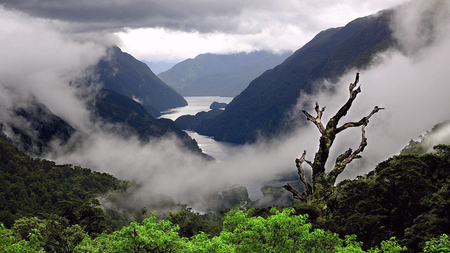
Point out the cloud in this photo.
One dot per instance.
(195, 15)
(175, 30)
(40, 62)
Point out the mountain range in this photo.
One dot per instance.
(131, 97)
(219, 74)
(261, 108)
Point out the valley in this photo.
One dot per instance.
(221, 151)
(308, 138)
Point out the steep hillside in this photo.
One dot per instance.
(34, 128)
(261, 107)
(219, 75)
(35, 187)
(125, 75)
(135, 120)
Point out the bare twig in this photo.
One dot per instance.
(318, 119)
(301, 172)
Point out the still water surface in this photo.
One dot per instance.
(219, 150)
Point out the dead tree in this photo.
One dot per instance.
(322, 182)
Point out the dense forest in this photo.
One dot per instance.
(403, 204)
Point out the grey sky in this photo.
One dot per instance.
(203, 26)
(229, 16)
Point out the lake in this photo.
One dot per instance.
(219, 150)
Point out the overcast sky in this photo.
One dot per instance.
(174, 30)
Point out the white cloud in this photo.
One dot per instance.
(37, 60)
(265, 25)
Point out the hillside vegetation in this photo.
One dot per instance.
(54, 207)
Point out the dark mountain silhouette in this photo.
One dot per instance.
(36, 130)
(133, 119)
(122, 73)
(219, 74)
(261, 108)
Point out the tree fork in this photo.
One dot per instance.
(323, 183)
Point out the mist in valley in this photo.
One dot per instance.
(41, 61)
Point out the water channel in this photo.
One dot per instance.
(219, 150)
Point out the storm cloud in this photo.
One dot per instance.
(175, 30)
(204, 16)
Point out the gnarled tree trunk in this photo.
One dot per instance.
(323, 182)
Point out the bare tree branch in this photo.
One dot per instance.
(363, 121)
(348, 156)
(301, 172)
(295, 193)
(322, 182)
(332, 123)
(318, 119)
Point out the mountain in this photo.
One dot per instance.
(122, 73)
(34, 187)
(219, 74)
(261, 108)
(135, 120)
(158, 67)
(437, 135)
(36, 130)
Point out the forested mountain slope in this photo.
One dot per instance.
(35, 187)
(406, 197)
(133, 120)
(36, 130)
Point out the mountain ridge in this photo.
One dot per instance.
(219, 74)
(261, 108)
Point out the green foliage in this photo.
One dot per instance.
(406, 197)
(438, 245)
(34, 187)
(10, 243)
(191, 223)
(150, 236)
(55, 234)
(281, 232)
(428, 140)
